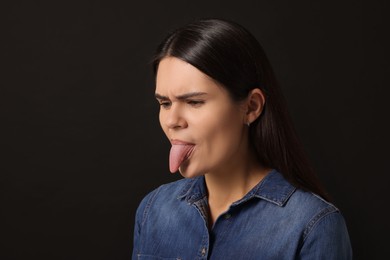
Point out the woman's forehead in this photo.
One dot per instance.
(177, 77)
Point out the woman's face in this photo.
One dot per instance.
(195, 110)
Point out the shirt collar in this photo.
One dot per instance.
(273, 188)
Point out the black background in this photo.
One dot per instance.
(80, 139)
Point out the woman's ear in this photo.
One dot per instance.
(254, 105)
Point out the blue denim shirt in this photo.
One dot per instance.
(272, 221)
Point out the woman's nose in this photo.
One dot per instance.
(175, 118)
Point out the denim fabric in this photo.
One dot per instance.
(273, 221)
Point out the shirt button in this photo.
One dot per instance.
(203, 251)
(227, 216)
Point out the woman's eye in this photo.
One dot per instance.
(195, 103)
(165, 104)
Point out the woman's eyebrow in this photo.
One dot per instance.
(183, 96)
(160, 97)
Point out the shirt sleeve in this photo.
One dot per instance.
(137, 230)
(139, 220)
(327, 239)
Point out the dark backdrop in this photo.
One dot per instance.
(80, 138)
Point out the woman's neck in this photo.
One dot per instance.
(232, 183)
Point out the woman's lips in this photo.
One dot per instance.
(180, 151)
(177, 141)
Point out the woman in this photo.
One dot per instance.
(248, 191)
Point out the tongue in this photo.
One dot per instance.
(178, 154)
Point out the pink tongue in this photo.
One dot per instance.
(179, 153)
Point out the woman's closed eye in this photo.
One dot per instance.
(165, 104)
(195, 103)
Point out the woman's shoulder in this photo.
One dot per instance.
(304, 206)
(315, 213)
(168, 191)
(311, 203)
(322, 221)
(311, 197)
(174, 188)
(277, 189)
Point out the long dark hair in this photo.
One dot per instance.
(229, 54)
